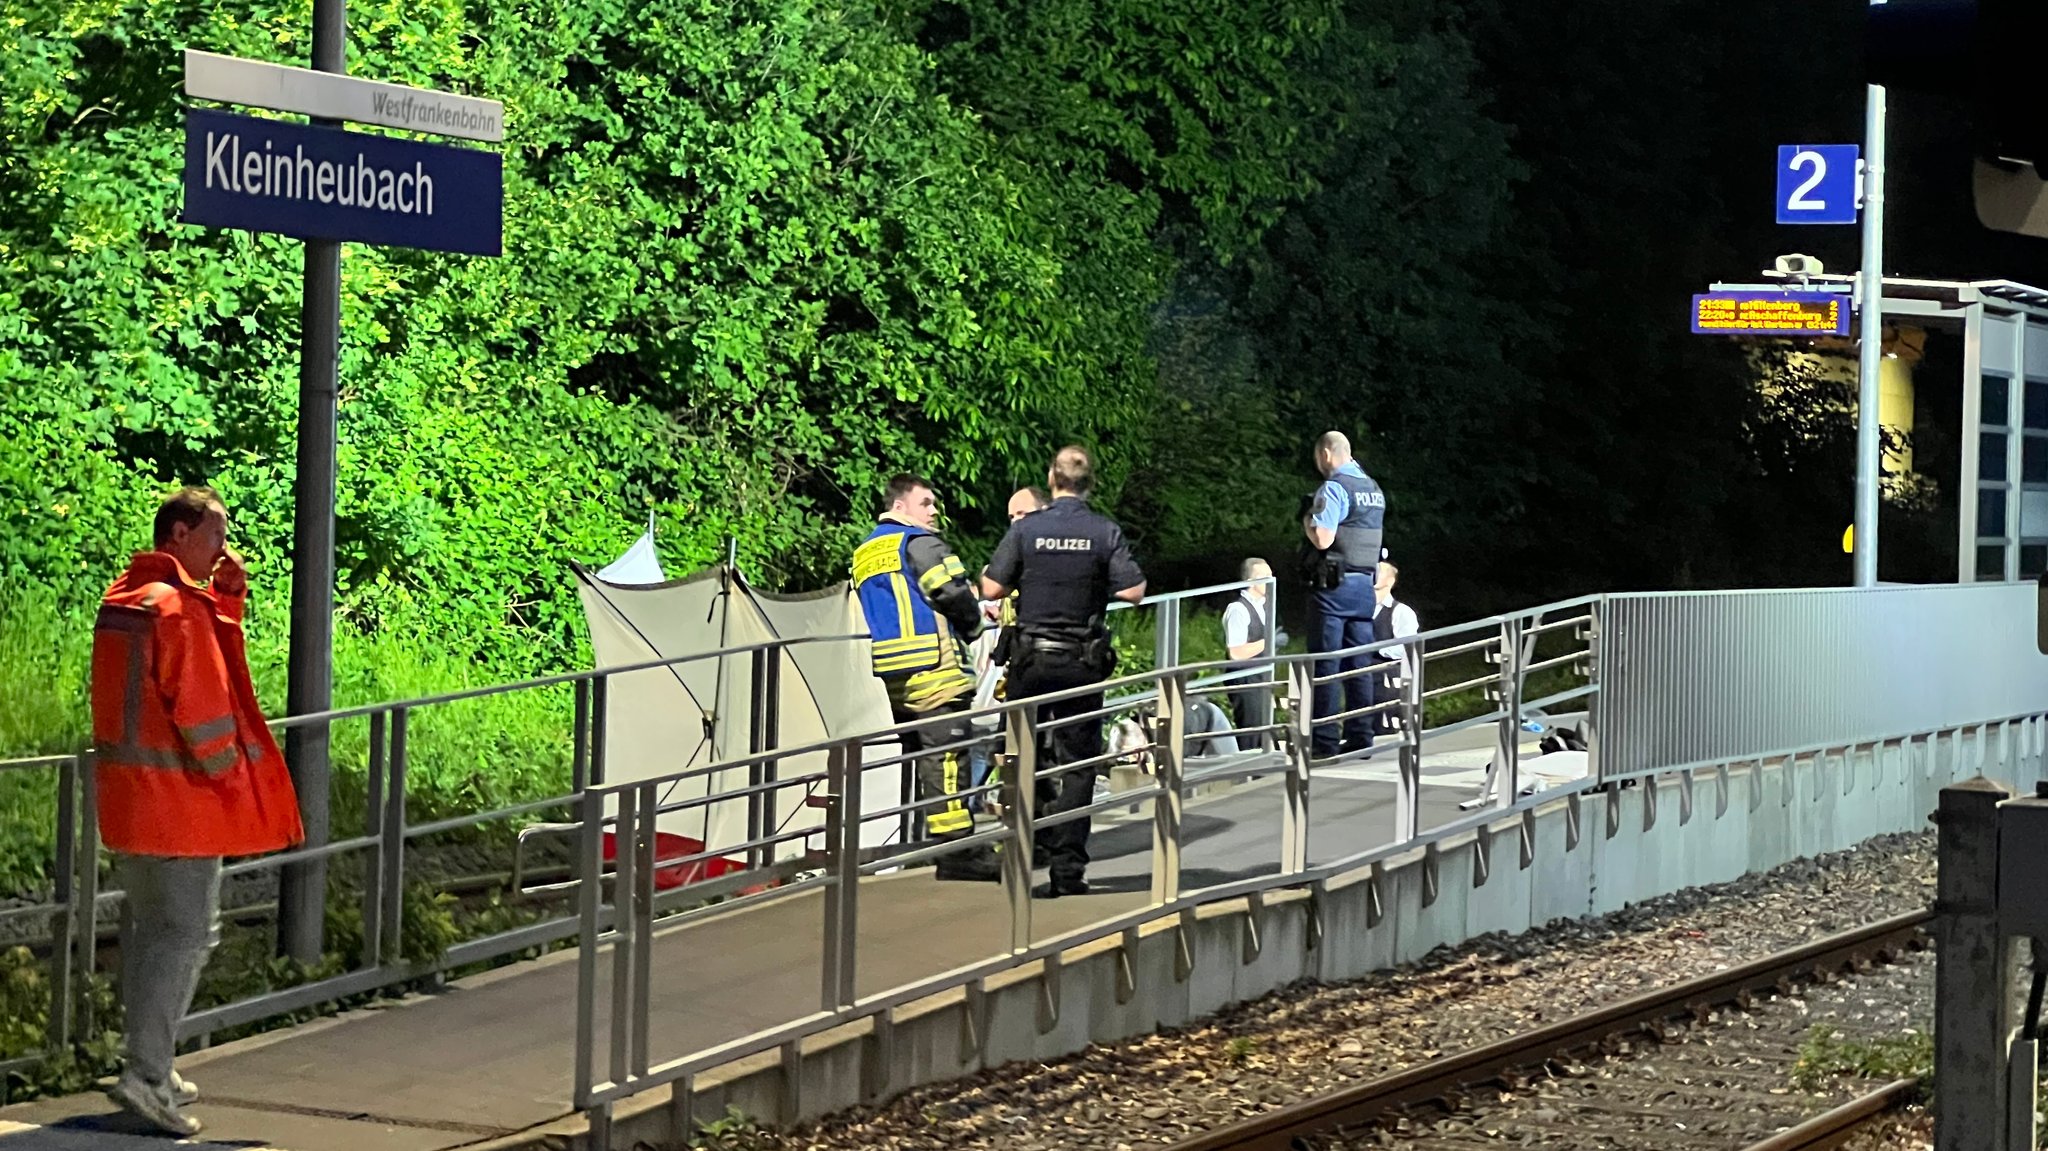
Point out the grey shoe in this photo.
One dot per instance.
(183, 1091)
(152, 1102)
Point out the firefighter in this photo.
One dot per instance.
(921, 611)
(187, 773)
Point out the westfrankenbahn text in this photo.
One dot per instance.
(430, 113)
(295, 176)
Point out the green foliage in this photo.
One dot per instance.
(733, 1131)
(472, 755)
(1826, 1054)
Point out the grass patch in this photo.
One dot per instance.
(1826, 1055)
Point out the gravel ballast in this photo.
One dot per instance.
(1310, 1038)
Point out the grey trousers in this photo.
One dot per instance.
(170, 920)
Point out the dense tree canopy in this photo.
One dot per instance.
(762, 253)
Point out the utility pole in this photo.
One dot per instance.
(1870, 321)
(302, 893)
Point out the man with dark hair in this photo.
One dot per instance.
(1066, 563)
(1344, 525)
(921, 611)
(188, 506)
(186, 772)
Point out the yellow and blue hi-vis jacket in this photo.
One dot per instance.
(917, 649)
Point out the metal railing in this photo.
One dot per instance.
(1490, 660)
(76, 912)
(1615, 657)
(1703, 677)
(67, 902)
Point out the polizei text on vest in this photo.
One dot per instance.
(1046, 544)
(294, 176)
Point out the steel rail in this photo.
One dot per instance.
(1283, 1128)
(1837, 1127)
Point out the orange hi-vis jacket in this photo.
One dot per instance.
(187, 767)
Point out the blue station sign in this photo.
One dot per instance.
(1817, 184)
(1770, 314)
(320, 183)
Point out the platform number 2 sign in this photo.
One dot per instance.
(1817, 183)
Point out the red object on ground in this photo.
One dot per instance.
(668, 876)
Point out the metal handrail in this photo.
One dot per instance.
(615, 902)
(389, 830)
(335, 715)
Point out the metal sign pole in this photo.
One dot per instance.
(303, 886)
(1871, 321)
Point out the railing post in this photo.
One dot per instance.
(392, 851)
(373, 864)
(1294, 816)
(1262, 712)
(648, 804)
(1020, 786)
(63, 955)
(589, 906)
(1408, 791)
(1596, 667)
(579, 739)
(1300, 748)
(625, 924)
(600, 720)
(1507, 754)
(88, 873)
(1166, 635)
(841, 937)
(757, 709)
(769, 733)
(1168, 753)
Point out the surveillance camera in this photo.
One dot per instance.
(1798, 265)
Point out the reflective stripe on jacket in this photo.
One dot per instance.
(186, 764)
(915, 650)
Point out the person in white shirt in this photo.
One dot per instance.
(1247, 638)
(1392, 619)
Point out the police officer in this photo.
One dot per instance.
(920, 610)
(1066, 563)
(1344, 523)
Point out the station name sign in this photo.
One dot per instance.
(1770, 314)
(320, 183)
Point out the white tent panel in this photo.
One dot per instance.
(695, 714)
(640, 565)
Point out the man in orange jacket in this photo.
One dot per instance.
(187, 773)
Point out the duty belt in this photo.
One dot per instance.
(1054, 643)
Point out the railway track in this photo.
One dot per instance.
(1836, 1127)
(1445, 1083)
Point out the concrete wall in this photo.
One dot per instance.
(1630, 844)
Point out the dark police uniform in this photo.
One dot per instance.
(1343, 600)
(1066, 562)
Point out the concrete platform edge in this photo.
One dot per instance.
(1643, 847)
